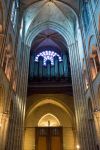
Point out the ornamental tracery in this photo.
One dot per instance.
(48, 55)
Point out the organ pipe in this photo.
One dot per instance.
(36, 69)
(61, 70)
(56, 61)
(49, 70)
(40, 67)
(65, 65)
(32, 66)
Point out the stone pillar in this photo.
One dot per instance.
(86, 140)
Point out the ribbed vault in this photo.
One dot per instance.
(55, 15)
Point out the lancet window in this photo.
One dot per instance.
(86, 14)
(15, 6)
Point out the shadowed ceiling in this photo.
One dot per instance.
(72, 3)
(63, 13)
(49, 38)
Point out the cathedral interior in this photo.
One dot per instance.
(49, 74)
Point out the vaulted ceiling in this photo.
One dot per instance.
(61, 12)
(40, 15)
(49, 38)
(72, 3)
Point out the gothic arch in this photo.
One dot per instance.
(53, 101)
(43, 108)
(35, 22)
(47, 118)
(51, 25)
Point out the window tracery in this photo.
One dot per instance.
(48, 55)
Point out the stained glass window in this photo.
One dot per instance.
(86, 14)
(48, 55)
(15, 5)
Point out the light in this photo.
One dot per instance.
(97, 109)
(48, 55)
(77, 146)
(97, 112)
(0, 125)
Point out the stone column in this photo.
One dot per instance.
(86, 140)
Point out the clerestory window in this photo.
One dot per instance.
(86, 14)
(15, 6)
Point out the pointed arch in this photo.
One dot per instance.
(48, 120)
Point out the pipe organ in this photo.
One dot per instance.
(57, 69)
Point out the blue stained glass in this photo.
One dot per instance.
(15, 5)
(86, 14)
(48, 55)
